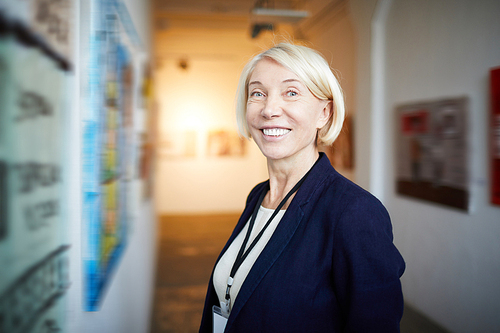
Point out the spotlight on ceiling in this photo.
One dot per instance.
(266, 18)
(270, 15)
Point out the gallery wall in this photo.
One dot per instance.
(412, 52)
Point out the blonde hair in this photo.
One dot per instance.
(313, 70)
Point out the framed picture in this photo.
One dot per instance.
(179, 144)
(341, 152)
(109, 145)
(495, 135)
(225, 143)
(431, 152)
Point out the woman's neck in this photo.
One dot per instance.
(283, 176)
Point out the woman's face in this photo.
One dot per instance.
(282, 114)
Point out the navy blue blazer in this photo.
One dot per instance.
(330, 266)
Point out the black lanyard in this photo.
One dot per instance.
(242, 254)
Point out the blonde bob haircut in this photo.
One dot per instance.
(314, 72)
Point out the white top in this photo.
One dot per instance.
(223, 268)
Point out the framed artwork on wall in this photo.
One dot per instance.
(110, 145)
(431, 151)
(341, 152)
(495, 135)
(225, 143)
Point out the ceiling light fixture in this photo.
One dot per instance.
(269, 15)
(265, 18)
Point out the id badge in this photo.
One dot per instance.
(219, 319)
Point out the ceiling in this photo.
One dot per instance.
(193, 12)
(224, 7)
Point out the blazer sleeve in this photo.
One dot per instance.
(367, 268)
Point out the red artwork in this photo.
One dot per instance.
(415, 122)
(495, 135)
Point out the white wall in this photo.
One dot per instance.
(127, 303)
(433, 49)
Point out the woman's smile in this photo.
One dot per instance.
(275, 132)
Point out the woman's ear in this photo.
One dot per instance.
(325, 114)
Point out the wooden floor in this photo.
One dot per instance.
(188, 248)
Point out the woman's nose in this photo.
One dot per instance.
(272, 107)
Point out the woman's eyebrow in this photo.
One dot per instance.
(291, 80)
(284, 81)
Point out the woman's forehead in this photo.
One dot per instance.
(270, 70)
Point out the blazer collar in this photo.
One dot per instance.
(283, 233)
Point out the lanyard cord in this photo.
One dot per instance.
(242, 254)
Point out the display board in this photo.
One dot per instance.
(432, 151)
(34, 249)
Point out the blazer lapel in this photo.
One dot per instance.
(280, 239)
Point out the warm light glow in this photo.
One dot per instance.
(191, 119)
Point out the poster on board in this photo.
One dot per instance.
(432, 152)
(34, 253)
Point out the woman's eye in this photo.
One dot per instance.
(257, 94)
(291, 93)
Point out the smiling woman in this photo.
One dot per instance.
(283, 116)
(312, 252)
(311, 71)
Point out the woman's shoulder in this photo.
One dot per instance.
(348, 205)
(345, 192)
(333, 185)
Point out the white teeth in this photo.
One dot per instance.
(275, 131)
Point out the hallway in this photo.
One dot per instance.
(188, 247)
